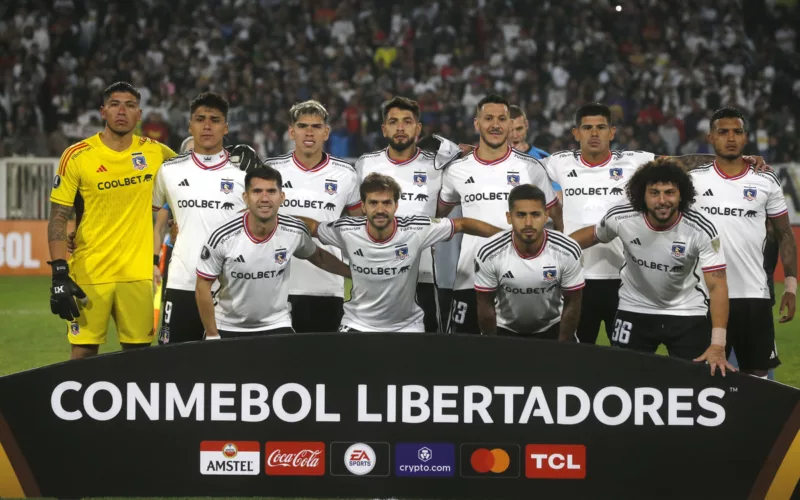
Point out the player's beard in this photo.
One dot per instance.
(527, 239)
(384, 223)
(493, 143)
(401, 146)
(654, 214)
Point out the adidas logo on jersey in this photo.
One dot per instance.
(102, 169)
(287, 185)
(572, 174)
(636, 241)
(708, 193)
(239, 259)
(470, 181)
(184, 182)
(359, 253)
(509, 275)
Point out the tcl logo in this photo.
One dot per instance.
(295, 458)
(555, 461)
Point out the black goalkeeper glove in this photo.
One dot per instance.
(64, 291)
(244, 157)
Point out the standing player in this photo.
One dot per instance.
(203, 189)
(662, 299)
(415, 171)
(321, 187)
(593, 179)
(480, 182)
(249, 255)
(518, 135)
(533, 274)
(739, 201)
(111, 268)
(384, 253)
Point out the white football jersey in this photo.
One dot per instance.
(739, 206)
(203, 191)
(589, 191)
(254, 292)
(420, 183)
(529, 288)
(383, 298)
(323, 194)
(660, 274)
(482, 189)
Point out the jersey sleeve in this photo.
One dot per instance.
(712, 257)
(329, 234)
(440, 229)
(776, 202)
(167, 152)
(67, 180)
(607, 229)
(485, 276)
(306, 247)
(642, 157)
(541, 178)
(448, 195)
(209, 265)
(159, 192)
(354, 197)
(572, 275)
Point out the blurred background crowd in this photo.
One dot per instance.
(663, 66)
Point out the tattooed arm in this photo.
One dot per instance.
(570, 316)
(57, 230)
(787, 247)
(717, 284)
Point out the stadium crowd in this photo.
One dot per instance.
(662, 65)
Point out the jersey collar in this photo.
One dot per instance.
(319, 166)
(252, 237)
(211, 162)
(734, 177)
(494, 162)
(529, 257)
(398, 163)
(394, 231)
(661, 230)
(595, 165)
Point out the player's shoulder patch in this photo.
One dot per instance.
(493, 246)
(702, 169)
(372, 154)
(413, 220)
(348, 222)
(526, 158)
(341, 162)
(566, 153)
(620, 212)
(564, 243)
(278, 161)
(226, 231)
(770, 176)
(697, 221)
(292, 224)
(177, 159)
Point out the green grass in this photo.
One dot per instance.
(33, 337)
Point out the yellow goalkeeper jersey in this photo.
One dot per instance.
(115, 234)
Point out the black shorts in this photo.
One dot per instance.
(315, 314)
(182, 321)
(464, 312)
(227, 334)
(599, 303)
(549, 334)
(751, 334)
(686, 337)
(427, 300)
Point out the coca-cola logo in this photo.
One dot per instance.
(295, 458)
(303, 458)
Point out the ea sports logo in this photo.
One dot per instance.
(230, 450)
(359, 459)
(496, 460)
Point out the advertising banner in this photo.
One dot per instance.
(395, 415)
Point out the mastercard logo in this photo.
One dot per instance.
(484, 460)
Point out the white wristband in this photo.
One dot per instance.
(790, 284)
(217, 337)
(718, 336)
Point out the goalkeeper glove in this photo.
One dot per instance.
(244, 157)
(64, 291)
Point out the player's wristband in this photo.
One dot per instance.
(790, 284)
(718, 336)
(212, 338)
(156, 260)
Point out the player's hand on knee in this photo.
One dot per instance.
(716, 359)
(71, 245)
(244, 157)
(64, 292)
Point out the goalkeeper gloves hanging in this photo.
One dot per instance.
(64, 291)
